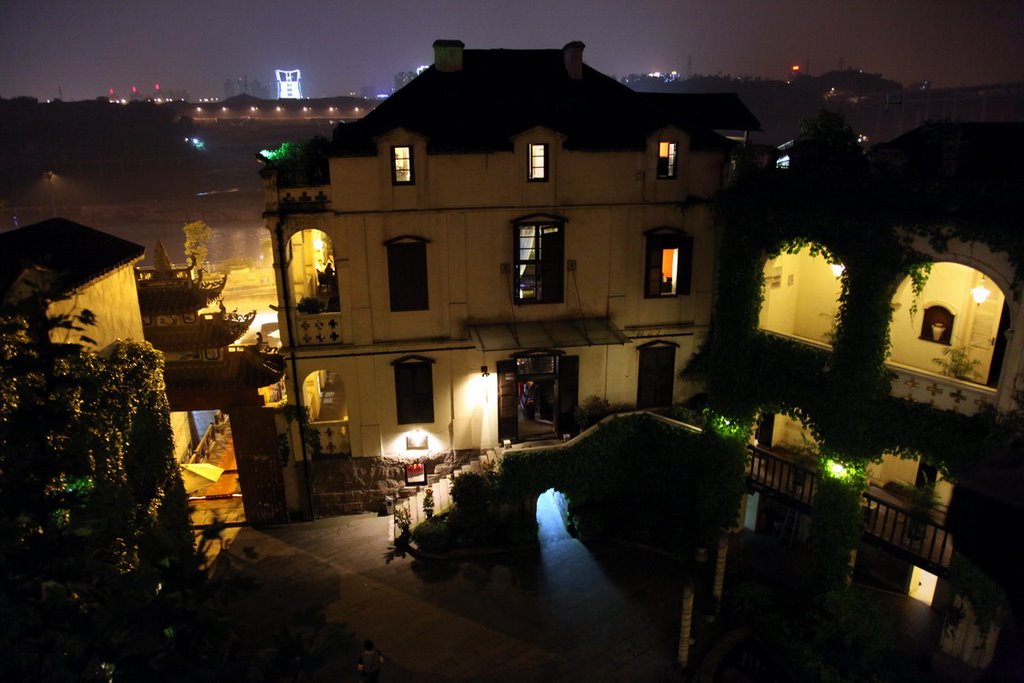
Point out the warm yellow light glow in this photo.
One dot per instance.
(980, 293)
(318, 244)
(837, 268)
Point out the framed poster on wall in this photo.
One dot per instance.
(415, 473)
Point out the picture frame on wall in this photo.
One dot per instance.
(415, 473)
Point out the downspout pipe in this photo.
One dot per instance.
(286, 300)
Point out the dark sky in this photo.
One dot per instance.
(84, 47)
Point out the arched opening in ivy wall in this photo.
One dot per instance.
(956, 327)
(801, 296)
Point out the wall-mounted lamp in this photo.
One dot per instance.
(980, 293)
(417, 441)
(484, 372)
(837, 268)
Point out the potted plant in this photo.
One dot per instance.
(957, 363)
(920, 502)
(428, 502)
(309, 305)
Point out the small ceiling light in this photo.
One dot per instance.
(484, 372)
(980, 293)
(837, 268)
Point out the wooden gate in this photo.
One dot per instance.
(259, 464)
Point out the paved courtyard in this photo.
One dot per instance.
(565, 611)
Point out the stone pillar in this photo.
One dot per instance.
(686, 629)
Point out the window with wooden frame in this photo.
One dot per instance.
(669, 263)
(666, 159)
(401, 165)
(407, 273)
(538, 167)
(414, 390)
(539, 256)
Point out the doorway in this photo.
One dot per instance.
(536, 409)
(537, 393)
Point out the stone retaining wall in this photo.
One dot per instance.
(350, 485)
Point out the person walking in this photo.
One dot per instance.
(369, 663)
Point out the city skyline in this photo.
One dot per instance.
(103, 45)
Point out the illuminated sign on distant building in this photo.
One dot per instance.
(289, 86)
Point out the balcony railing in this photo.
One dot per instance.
(334, 439)
(942, 392)
(887, 523)
(299, 199)
(918, 384)
(925, 542)
(774, 473)
(314, 329)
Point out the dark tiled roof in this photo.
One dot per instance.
(208, 332)
(246, 368)
(962, 150)
(77, 254)
(500, 93)
(178, 296)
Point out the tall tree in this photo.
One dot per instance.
(94, 533)
(197, 240)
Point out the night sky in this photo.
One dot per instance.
(81, 48)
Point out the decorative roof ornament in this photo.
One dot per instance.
(161, 261)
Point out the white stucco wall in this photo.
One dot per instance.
(114, 301)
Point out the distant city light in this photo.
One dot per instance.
(794, 68)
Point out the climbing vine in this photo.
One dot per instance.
(865, 217)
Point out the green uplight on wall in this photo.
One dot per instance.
(726, 427)
(836, 469)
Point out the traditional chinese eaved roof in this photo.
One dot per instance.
(242, 368)
(498, 94)
(166, 288)
(74, 253)
(210, 330)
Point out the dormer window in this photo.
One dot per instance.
(401, 165)
(666, 159)
(538, 168)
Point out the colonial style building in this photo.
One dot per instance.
(509, 234)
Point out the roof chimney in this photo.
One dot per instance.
(448, 55)
(572, 53)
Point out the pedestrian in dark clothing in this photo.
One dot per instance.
(368, 664)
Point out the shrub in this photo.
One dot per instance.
(472, 493)
(470, 529)
(520, 530)
(433, 535)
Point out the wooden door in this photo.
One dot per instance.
(508, 401)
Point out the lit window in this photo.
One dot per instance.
(401, 165)
(669, 264)
(539, 262)
(538, 170)
(666, 159)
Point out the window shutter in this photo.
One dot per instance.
(407, 276)
(552, 266)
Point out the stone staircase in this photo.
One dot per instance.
(411, 497)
